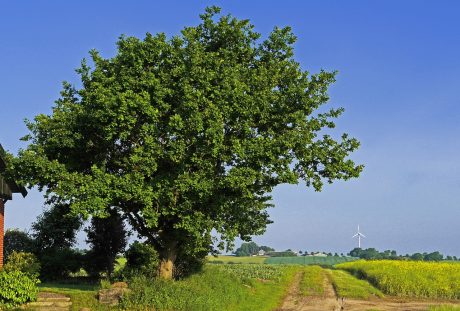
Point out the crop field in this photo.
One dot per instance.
(409, 278)
(255, 271)
(309, 260)
(233, 259)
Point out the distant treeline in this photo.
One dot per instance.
(251, 249)
(372, 253)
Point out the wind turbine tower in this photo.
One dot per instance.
(359, 235)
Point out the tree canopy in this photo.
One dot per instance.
(188, 135)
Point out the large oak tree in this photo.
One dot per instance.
(188, 135)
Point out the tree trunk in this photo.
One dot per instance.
(167, 259)
(166, 269)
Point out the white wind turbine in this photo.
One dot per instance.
(359, 235)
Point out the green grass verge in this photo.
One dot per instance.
(233, 259)
(312, 282)
(444, 308)
(215, 288)
(348, 286)
(241, 287)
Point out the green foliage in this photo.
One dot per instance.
(16, 288)
(188, 135)
(107, 238)
(54, 234)
(24, 262)
(58, 264)
(55, 228)
(409, 278)
(348, 286)
(309, 260)
(16, 240)
(312, 281)
(372, 253)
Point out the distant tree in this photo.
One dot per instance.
(266, 249)
(189, 135)
(54, 234)
(300, 252)
(247, 249)
(107, 238)
(416, 256)
(56, 228)
(282, 254)
(449, 258)
(18, 241)
(336, 255)
(455, 258)
(434, 256)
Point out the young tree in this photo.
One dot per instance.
(16, 240)
(107, 238)
(188, 135)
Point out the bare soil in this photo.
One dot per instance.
(294, 301)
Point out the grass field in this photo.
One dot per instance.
(309, 260)
(233, 259)
(410, 278)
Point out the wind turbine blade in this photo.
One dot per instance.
(355, 235)
(363, 235)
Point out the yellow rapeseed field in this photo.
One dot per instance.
(409, 278)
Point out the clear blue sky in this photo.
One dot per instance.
(398, 63)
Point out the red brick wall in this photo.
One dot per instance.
(2, 229)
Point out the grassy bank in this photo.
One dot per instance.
(347, 286)
(312, 282)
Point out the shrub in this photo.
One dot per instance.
(141, 259)
(16, 288)
(57, 264)
(24, 262)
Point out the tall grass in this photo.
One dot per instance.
(312, 282)
(410, 278)
(348, 286)
(213, 289)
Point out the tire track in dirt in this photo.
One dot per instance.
(295, 301)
